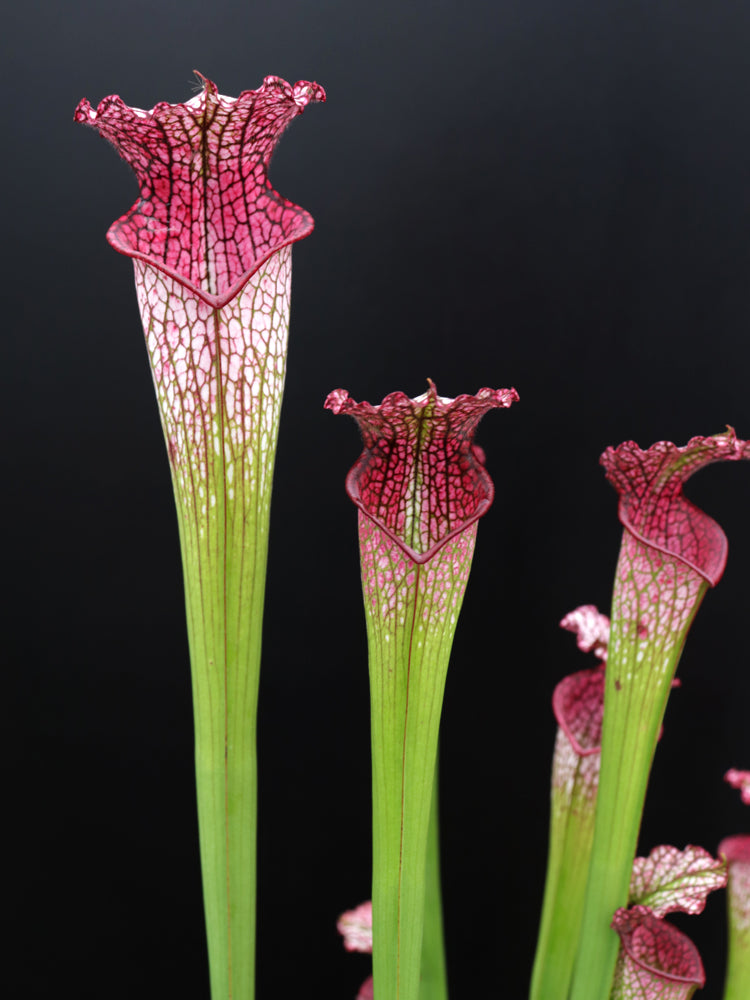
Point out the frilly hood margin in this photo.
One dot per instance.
(421, 478)
(653, 508)
(208, 215)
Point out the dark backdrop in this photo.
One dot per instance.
(549, 195)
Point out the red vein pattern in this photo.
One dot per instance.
(578, 699)
(670, 547)
(656, 961)
(420, 478)
(578, 704)
(392, 586)
(674, 881)
(653, 507)
(207, 215)
(211, 241)
(219, 378)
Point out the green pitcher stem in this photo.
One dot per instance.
(573, 802)
(211, 246)
(434, 981)
(221, 457)
(404, 742)
(224, 541)
(420, 486)
(737, 982)
(409, 649)
(638, 678)
(225, 611)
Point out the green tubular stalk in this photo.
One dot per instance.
(211, 246)
(737, 980)
(571, 834)
(222, 484)
(578, 704)
(420, 486)
(434, 980)
(671, 553)
(224, 563)
(225, 668)
(638, 678)
(408, 667)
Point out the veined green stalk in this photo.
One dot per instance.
(578, 703)
(671, 553)
(434, 981)
(409, 646)
(222, 489)
(225, 671)
(355, 925)
(573, 801)
(211, 243)
(638, 679)
(420, 485)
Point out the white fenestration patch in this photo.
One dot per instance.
(219, 378)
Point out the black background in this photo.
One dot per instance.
(549, 195)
